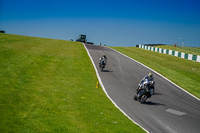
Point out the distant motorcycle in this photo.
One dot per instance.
(145, 90)
(102, 64)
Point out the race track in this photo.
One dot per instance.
(170, 110)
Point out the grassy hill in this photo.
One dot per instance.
(50, 86)
(184, 73)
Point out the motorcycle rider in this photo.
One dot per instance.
(102, 60)
(148, 77)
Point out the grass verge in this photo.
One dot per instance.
(184, 73)
(50, 86)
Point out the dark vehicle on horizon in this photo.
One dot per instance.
(82, 38)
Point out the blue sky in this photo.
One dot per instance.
(111, 22)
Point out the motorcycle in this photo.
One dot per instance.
(145, 90)
(102, 64)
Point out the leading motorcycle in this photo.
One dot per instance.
(145, 90)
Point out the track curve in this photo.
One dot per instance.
(170, 110)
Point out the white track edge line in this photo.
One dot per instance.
(99, 78)
(156, 73)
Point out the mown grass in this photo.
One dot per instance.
(184, 73)
(50, 86)
(187, 50)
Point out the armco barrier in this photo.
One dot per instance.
(172, 52)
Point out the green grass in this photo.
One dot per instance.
(184, 73)
(50, 86)
(187, 50)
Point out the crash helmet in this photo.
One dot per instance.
(150, 75)
(104, 55)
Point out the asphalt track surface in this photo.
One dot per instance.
(170, 110)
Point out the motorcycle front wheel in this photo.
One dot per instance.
(101, 67)
(135, 98)
(143, 99)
